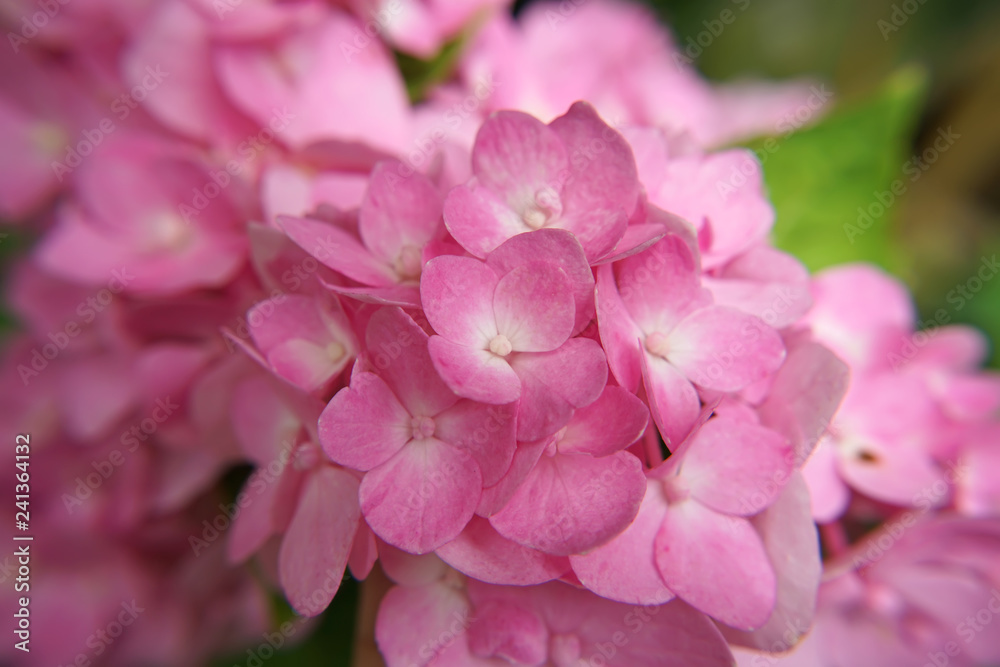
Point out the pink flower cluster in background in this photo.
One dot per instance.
(525, 344)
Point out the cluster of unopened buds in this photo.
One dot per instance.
(535, 358)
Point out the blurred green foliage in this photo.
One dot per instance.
(824, 179)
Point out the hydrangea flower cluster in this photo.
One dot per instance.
(524, 346)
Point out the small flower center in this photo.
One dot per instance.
(422, 427)
(544, 206)
(658, 344)
(307, 456)
(335, 351)
(675, 489)
(500, 345)
(565, 650)
(408, 264)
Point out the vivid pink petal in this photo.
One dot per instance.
(636, 239)
(554, 383)
(619, 333)
(611, 423)
(792, 544)
(472, 373)
(674, 402)
(398, 213)
(717, 564)
(318, 541)
(573, 502)
(364, 425)
(485, 431)
(517, 156)
(624, 569)
(479, 219)
(534, 307)
(252, 527)
(403, 296)
(457, 295)
(723, 349)
(557, 247)
(525, 456)
(338, 250)
(737, 468)
(422, 497)
(481, 552)
(660, 286)
(397, 347)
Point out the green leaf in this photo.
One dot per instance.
(422, 75)
(824, 179)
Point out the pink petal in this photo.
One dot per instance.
(571, 503)
(636, 239)
(364, 425)
(516, 156)
(509, 631)
(554, 383)
(398, 212)
(397, 347)
(717, 564)
(525, 457)
(481, 552)
(724, 349)
(422, 497)
(364, 552)
(338, 250)
(828, 492)
(457, 295)
(485, 431)
(674, 403)
(792, 544)
(805, 395)
(557, 247)
(403, 296)
(661, 286)
(479, 219)
(619, 333)
(611, 423)
(318, 541)
(534, 307)
(737, 468)
(414, 623)
(473, 373)
(623, 569)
